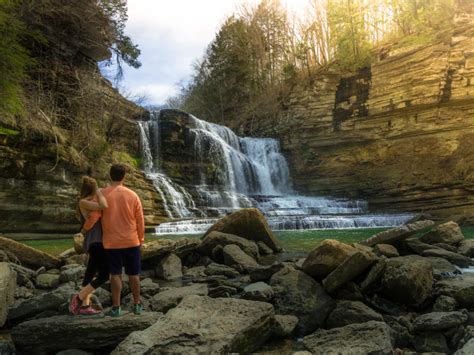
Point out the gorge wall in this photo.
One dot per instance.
(399, 133)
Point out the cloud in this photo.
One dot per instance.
(171, 36)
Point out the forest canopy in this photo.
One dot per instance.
(261, 49)
(33, 34)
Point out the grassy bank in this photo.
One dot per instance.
(292, 240)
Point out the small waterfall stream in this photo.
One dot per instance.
(249, 172)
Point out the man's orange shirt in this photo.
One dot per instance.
(123, 224)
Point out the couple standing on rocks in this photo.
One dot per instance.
(114, 230)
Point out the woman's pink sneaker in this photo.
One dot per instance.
(75, 304)
(88, 311)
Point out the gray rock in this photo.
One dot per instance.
(350, 292)
(418, 247)
(461, 289)
(467, 349)
(264, 273)
(219, 269)
(52, 300)
(326, 257)
(104, 297)
(169, 267)
(204, 325)
(431, 343)
(350, 312)
(234, 256)
(259, 291)
(439, 321)
(168, 299)
(75, 274)
(353, 266)
(66, 332)
(466, 248)
(7, 347)
(213, 239)
(386, 250)
(284, 326)
(407, 280)
(298, 294)
(447, 247)
(444, 304)
(47, 281)
(148, 287)
(455, 258)
(25, 276)
(449, 233)
(375, 274)
(7, 290)
(397, 234)
(441, 267)
(363, 338)
(73, 352)
(263, 249)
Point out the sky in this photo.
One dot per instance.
(172, 35)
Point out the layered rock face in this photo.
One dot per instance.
(399, 133)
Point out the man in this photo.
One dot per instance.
(123, 234)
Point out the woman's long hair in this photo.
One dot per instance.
(87, 189)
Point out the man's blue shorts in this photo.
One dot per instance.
(129, 258)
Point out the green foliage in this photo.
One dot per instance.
(14, 58)
(8, 132)
(122, 45)
(350, 37)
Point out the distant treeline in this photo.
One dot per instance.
(262, 50)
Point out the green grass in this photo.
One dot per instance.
(8, 132)
(292, 241)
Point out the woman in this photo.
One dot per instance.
(91, 202)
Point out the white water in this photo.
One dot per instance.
(252, 173)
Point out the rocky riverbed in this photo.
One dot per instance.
(404, 290)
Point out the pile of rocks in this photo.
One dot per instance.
(233, 292)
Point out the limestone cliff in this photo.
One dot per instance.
(73, 122)
(399, 133)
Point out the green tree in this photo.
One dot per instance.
(14, 57)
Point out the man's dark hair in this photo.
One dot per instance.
(117, 172)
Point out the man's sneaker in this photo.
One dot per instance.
(88, 311)
(75, 304)
(137, 308)
(115, 312)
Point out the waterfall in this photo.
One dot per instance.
(175, 198)
(248, 172)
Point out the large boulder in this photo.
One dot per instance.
(326, 257)
(386, 250)
(298, 294)
(204, 325)
(48, 301)
(156, 249)
(397, 234)
(462, 290)
(353, 266)
(285, 325)
(169, 267)
(455, 258)
(234, 256)
(7, 290)
(47, 281)
(213, 239)
(449, 233)
(466, 248)
(219, 269)
(350, 312)
(170, 298)
(439, 321)
(407, 280)
(52, 334)
(258, 291)
(29, 256)
(248, 223)
(363, 338)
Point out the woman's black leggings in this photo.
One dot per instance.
(98, 267)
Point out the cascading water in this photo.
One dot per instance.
(249, 172)
(175, 203)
